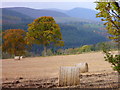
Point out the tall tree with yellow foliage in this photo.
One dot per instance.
(44, 31)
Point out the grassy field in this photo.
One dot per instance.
(46, 67)
(42, 72)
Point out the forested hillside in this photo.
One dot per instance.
(75, 31)
(78, 34)
(13, 17)
(35, 13)
(83, 13)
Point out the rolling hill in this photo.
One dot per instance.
(10, 16)
(35, 13)
(75, 31)
(82, 13)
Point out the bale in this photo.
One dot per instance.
(17, 57)
(21, 57)
(69, 76)
(83, 67)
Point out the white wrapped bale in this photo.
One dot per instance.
(21, 57)
(17, 57)
(69, 76)
(83, 67)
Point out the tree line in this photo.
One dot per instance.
(42, 31)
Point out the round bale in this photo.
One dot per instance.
(83, 67)
(69, 76)
(17, 57)
(21, 57)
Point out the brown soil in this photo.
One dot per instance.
(101, 80)
(42, 72)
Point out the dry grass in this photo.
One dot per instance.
(47, 67)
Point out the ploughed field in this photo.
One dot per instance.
(43, 72)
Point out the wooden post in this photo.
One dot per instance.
(69, 76)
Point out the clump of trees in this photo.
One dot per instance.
(110, 13)
(42, 31)
(14, 42)
(86, 48)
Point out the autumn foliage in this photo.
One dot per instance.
(110, 13)
(44, 31)
(14, 41)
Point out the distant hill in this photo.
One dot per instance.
(78, 34)
(22, 14)
(10, 16)
(83, 13)
(35, 13)
(78, 12)
(76, 31)
(73, 19)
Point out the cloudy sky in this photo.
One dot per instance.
(45, 4)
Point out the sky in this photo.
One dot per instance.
(48, 0)
(46, 4)
(39, 4)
